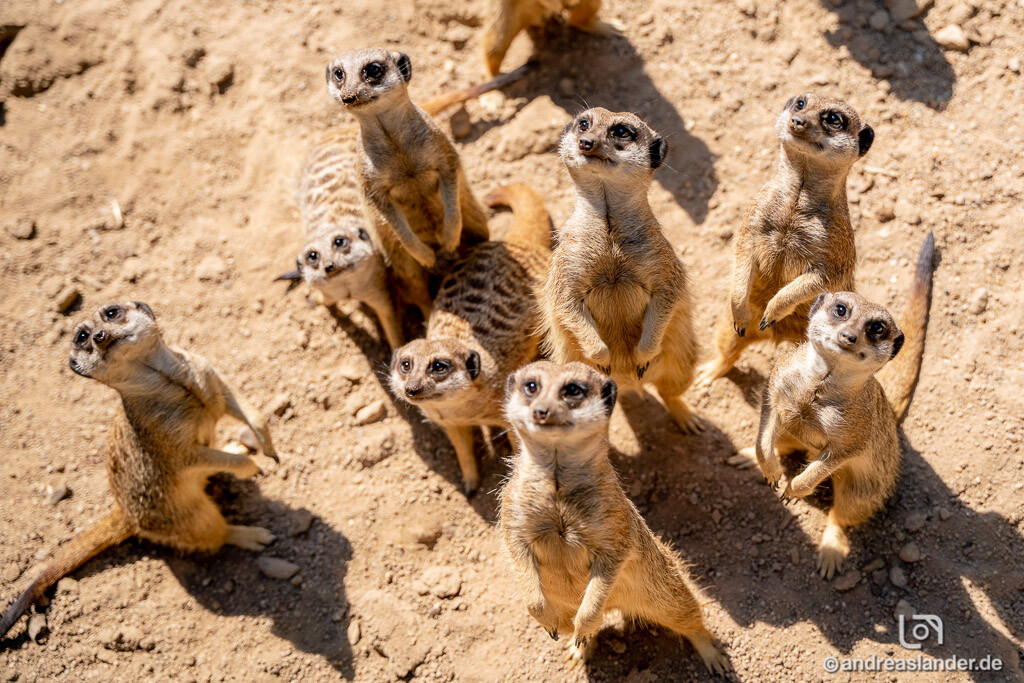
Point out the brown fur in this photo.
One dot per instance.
(158, 455)
(823, 398)
(577, 547)
(508, 17)
(617, 296)
(796, 240)
(482, 328)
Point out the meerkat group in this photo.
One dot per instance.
(537, 333)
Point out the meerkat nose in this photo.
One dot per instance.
(348, 99)
(412, 392)
(848, 337)
(329, 268)
(540, 413)
(99, 338)
(797, 122)
(586, 144)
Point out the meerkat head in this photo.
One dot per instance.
(113, 339)
(366, 80)
(823, 129)
(847, 329)
(559, 404)
(428, 370)
(335, 251)
(611, 146)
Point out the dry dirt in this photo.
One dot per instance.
(195, 116)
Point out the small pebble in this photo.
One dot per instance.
(276, 568)
(37, 627)
(978, 301)
(368, 414)
(910, 552)
(898, 577)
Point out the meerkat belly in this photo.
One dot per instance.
(562, 558)
(617, 301)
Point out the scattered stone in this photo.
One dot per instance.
(441, 582)
(435, 610)
(37, 627)
(122, 638)
(534, 130)
(247, 438)
(847, 581)
(211, 269)
(374, 444)
(300, 522)
(914, 521)
(60, 492)
(901, 10)
(794, 556)
(904, 608)
(619, 647)
(352, 373)
(885, 212)
(373, 412)
(106, 656)
(67, 298)
(276, 568)
(878, 20)
(978, 301)
(11, 572)
(873, 565)
(279, 404)
(22, 228)
(910, 552)
(42, 554)
(354, 632)
(959, 13)
(296, 580)
(897, 576)
(953, 38)
(148, 643)
(193, 55)
(460, 124)
(219, 73)
(944, 514)
(1013, 64)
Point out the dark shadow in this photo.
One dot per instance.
(914, 64)
(313, 616)
(3, 114)
(750, 381)
(610, 73)
(373, 347)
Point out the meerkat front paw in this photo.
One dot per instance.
(545, 616)
(741, 320)
(253, 538)
(771, 468)
(833, 550)
(578, 652)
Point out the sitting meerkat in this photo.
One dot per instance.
(482, 328)
(158, 455)
(576, 545)
(339, 259)
(508, 17)
(617, 296)
(796, 240)
(413, 186)
(824, 399)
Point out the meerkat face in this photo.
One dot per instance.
(115, 336)
(819, 127)
(552, 403)
(336, 252)
(849, 329)
(368, 79)
(428, 370)
(611, 146)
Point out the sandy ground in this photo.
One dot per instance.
(195, 116)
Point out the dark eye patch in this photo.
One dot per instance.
(440, 365)
(374, 71)
(623, 131)
(840, 310)
(82, 336)
(312, 256)
(876, 329)
(834, 120)
(574, 390)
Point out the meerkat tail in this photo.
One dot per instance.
(109, 531)
(531, 222)
(899, 376)
(437, 104)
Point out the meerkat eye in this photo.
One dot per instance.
(82, 336)
(312, 257)
(583, 125)
(622, 131)
(112, 313)
(373, 71)
(530, 387)
(876, 328)
(340, 242)
(800, 104)
(835, 120)
(339, 74)
(440, 366)
(840, 310)
(405, 366)
(363, 235)
(573, 390)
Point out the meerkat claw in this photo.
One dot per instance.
(605, 369)
(641, 369)
(765, 324)
(740, 331)
(553, 633)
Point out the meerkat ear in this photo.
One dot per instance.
(658, 150)
(510, 384)
(473, 364)
(404, 66)
(327, 73)
(897, 344)
(609, 392)
(145, 309)
(817, 304)
(865, 138)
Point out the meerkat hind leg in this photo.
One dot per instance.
(728, 347)
(685, 416)
(462, 441)
(253, 538)
(584, 17)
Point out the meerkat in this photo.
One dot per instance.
(824, 398)
(508, 17)
(796, 240)
(158, 455)
(617, 296)
(413, 186)
(577, 547)
(483, 326)
(339, 259)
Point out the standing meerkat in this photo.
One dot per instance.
(796, 240)
(824, 399)
(617, 296)
(484, 326)
(576, 545)
(339, 258)
(413, 186)
(506, 18)
(158, 455)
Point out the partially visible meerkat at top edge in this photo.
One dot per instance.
(413, 184)
(839, 397)
(617, 296)
(796, 240)
(484, 326)
(507, 18)
(577, 547)
(158, 455)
